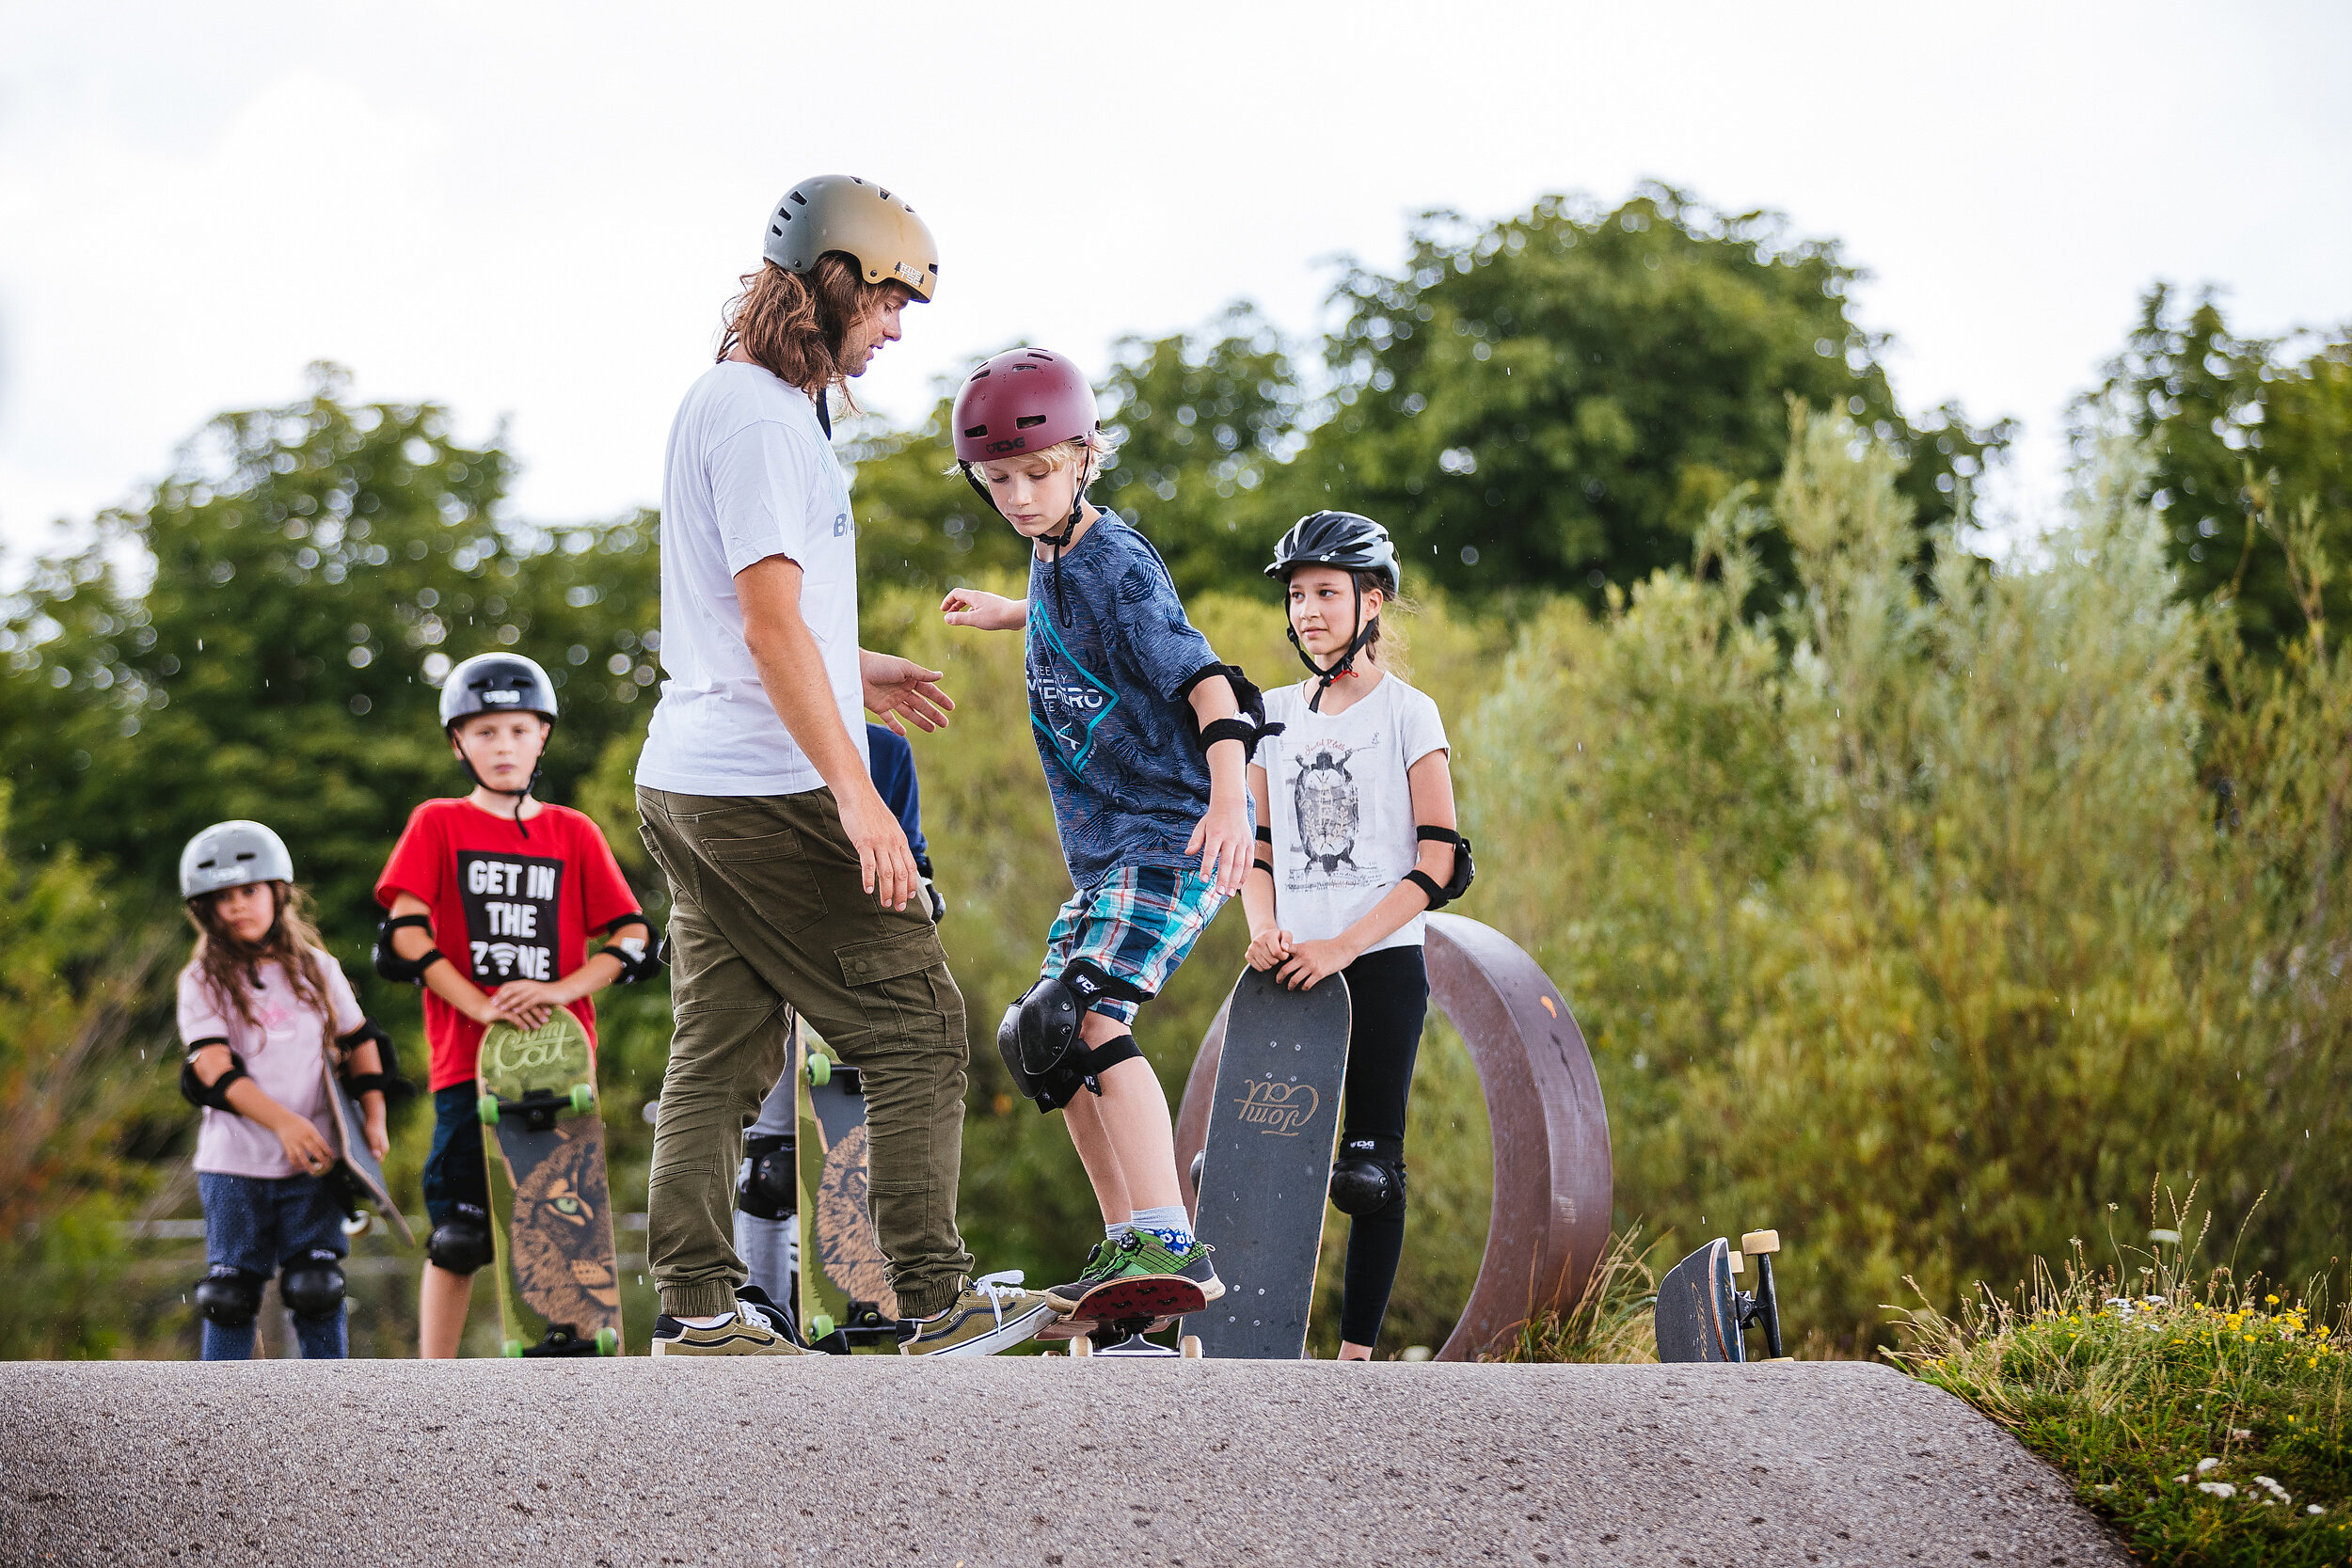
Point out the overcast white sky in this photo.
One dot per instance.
(534, 212)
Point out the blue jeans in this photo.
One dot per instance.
(259, 1224)
(454, 1171)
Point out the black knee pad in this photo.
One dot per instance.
(1369, 1176)
(313, 1285)
(461, 1244)
(229, 1296)
(769, 1186)
(1040, 1038)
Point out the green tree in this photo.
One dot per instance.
(261, 639)
(1555, 401)
(2244, 438)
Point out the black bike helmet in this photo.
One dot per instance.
(1350, 543)
(1347, 540)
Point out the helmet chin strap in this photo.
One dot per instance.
(1346, 664)
(1059, 538)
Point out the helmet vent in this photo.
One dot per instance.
(244, 854)
(1029, 421)
(884, 195)
(975, 432)
(799, 198)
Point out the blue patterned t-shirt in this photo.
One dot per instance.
(1111, 661)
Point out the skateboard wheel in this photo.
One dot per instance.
(1757, 1241)
(489, 1108)
(356, 1224)
(820, 1325)
(608, 1342)
(1190, 1346)
(512, 1348)
(819, 1070)
(1739, 1261)
(1082, 1345)
(583, 1097)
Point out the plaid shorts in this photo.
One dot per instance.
(1136, 924)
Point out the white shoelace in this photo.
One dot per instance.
(996, 1287)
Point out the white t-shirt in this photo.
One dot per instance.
(283, 1056)
(1343, 809)
(750, 474)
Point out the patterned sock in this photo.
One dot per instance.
(1119, 1231)
(1169, 1222)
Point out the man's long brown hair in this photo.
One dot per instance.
(229, 967)
(793, 325)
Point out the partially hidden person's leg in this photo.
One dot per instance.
(240, 1246)
(767, 1224)
(458, 1205)
(1389, 993)
(784, 881)
(729, 1047)
(312, 1249)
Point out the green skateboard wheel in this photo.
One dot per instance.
(583, 1096)
(489, 1108)
(819, 1070)
(512, 1348)
(608, 1342)
(821, 1323)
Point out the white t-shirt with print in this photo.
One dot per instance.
(283, 1051)
(750, 474)
(1343, 809)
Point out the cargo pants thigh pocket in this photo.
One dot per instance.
(901, 983)
(771, 871)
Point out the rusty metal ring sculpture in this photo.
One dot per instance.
(1552, 1176)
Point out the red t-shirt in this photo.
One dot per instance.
(504, 905)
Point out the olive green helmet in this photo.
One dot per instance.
(840, 212)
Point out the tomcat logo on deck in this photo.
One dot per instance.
(1280, 1109)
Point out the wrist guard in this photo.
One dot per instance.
(385, 1079)
(1465, 869)
(640, 958)
(213, 1096)
(390, 964)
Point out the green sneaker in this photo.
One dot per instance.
(989, 1314)
(1144, 1277)
(1102, 1261)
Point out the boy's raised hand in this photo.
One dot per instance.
(983, 611)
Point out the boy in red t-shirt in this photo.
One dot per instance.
(492, 899)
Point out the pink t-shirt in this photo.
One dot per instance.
(282, 1055)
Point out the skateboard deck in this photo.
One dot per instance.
(845, 1294)
(1702, 1316)
(1265, 1175)
(550, 1211)
(357, 1180)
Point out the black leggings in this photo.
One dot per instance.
(1388, 995)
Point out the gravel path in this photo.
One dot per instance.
(1015, 1461)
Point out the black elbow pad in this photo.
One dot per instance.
(1251, 726)
(385, 1079)
(1465, 870)
(213, 1096)
(640, 959)
(390, 964)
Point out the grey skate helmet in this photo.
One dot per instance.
(231, 854)
(1347, 542)
(873, 227)
(497, 683)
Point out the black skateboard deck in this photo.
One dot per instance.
(1702, 1316)
(845, 1294)
(357, 1180)
(550, 1209)
(1265, 1174)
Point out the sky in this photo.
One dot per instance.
(533, 214)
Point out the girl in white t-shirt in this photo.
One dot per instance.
(262, 1006)
(1356, 823)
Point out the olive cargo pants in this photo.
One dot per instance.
(766, 918)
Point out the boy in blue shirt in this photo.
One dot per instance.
(1140, 726)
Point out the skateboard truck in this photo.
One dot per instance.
(823, 1069)
(865, 1325)
(1762, 1304)
(565, 1339)
(1126, 1336)
(540, 1107)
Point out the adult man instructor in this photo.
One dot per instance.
(790, 880)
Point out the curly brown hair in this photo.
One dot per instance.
(794, 326)
(230, 966)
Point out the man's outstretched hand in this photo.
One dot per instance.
(897, 687)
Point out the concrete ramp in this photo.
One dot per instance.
(1012, 1461)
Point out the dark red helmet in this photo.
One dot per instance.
(1022, 401)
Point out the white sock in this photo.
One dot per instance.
(1119, 1231)
(720, 1321)
(1167, 1222)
